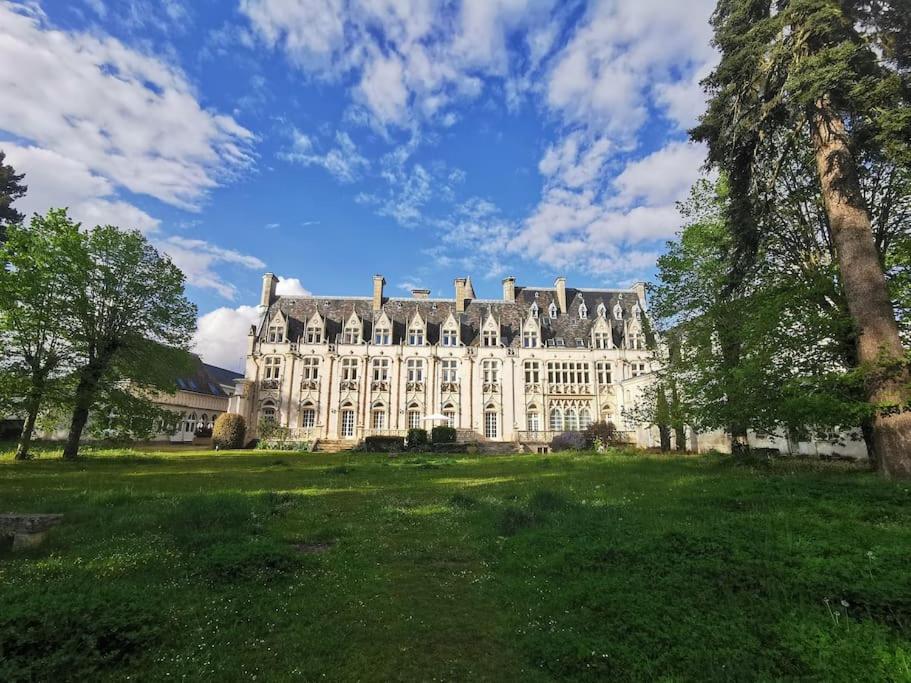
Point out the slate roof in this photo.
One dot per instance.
(336, 311)
(210, 380)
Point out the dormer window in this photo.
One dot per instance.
(351, 336)
(416, 336)
(382, 336)
(618, 311)
(489, 338)
(552, 310)
(534, 310)
(602, 340)
(636, 311)
(583, 311)
(314, 334)
(276, 334)
(601, 310)
(530, 339)
(450, 337)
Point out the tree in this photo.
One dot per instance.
(132, 321)
(36, 289)
(11, 189)
(832, 74)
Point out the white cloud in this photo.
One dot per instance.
(127, 117)
(291, 286)
(661, 177)
(197, 259)
(221, 335)
(344, 161)
(56, 181)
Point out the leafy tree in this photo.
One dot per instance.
(11, 189)
(132, 321)
(832, 74)
(36, 289)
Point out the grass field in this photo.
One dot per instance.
(531, 568)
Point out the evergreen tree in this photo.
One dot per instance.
(832, 75)
(11, 189)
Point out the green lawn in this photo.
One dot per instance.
(529, 568)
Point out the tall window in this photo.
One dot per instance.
(380, 369)
(273, 367)
(585, 418)
(489, 338)
(601, 340)
(637, 369)
(347, 422)
(349, 369)
(450, 337)
(450, 370)
(308, 418)
(604, 373)
(533, 419)
(490, 371)
(490, 423)
(268, 412)
(534, 310)
(530, 339)
(276, 334)
(314, 334)
(583, 311)
(414, 417)
(414, 368)
(450, 414)
(532, 372)
(552, 310)
(352, 335)
(382, 336)
(571, 422)
(416, 336)
(310, 368)
(556, 420)
(378, 420)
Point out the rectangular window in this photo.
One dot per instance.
(489, 338)
(450, 338)
(349, 369)
(530, 340)
(604, 374)
(416, 337)
(314, 335)
(379, 419)
(415, 370)
(382, 337)
(601, 340)
(532, 372)
(637, 369)
(380, 369)
(490, 371)
(352, 335)
(533, 421)
(567, 372)
(273, 367)
(308, 418)
(450, 370)
(490, 424)
(310, 368)
(414, 419)
(276, 334)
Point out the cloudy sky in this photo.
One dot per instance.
(327, 140)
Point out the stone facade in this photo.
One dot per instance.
(537, 361)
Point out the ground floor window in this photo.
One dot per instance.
(556, 420)
(308, 418)
(414, 419)
(347, 423)
(268, 412)
(490, 424)
(533, 421)
(379, 419)
(585, 419)
(449, 414)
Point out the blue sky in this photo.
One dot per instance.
(326, 140)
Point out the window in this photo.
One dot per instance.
(450, 414)
(380, 369)
(585, 419)
(450, 337)
(534, 310)
(276, 334)
(450, 370)
(347, 422)
(532, 372)
(571, 424)
(349, 369)
(583, 311)
(552, 310)
(530, 339)
(203, 421)
(490, 423)
(268, 412)
(310, 368)
(414, 417)
(533, 419)
(603, 372)
(352, 335)
(567, 372)
(489, 338)
(314, 334)
(556, 420)
(637, 342)
(382, 336)
(273, 367)
(637, 369)
(414, 370)
(308, 418)
(416, 336)
(602, 340)
(378, 420)
(602, 310)
(490, 371)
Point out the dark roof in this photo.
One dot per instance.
(208, 379)
(568, 326)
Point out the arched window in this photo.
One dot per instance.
(491, 425)
(203, 421)
(378, 418)
(308, 417)
(268, 411)
(583, 311)
(601, 310)
(347, 421)
(556, 420)
(552, 310)
(571, 422)
(414, 416)
(532, 419)
(449, 413)
(534, 309)
(585, 418)
(414, 370)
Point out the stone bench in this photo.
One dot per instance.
(27, 530)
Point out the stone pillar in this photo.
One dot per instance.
(378, 283)
(270, 282)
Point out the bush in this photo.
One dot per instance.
(417, 437)
(203, 432)
(443, 434)
(603, 433)
(229, 431)
(568, 441)
(384, 444)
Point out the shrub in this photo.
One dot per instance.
(417, 437)
(384, 444)
(443, 434)
(568, 441)
(229, 431)
(601, 432)
(203, 432)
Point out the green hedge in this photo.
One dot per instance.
(443, 434)
(417, 437)
(384, 444)
(229, 431)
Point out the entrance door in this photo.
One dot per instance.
(347, 424)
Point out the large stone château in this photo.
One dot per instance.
(538, 361)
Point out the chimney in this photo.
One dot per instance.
(378, 283)
(270, 282)
(509, 289)
(460, 294)
(560, 286)
(639, 289)
(420, 293)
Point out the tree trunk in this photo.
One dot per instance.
(89, 378)
(664, 435)
(879, 347)
(35, 394)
